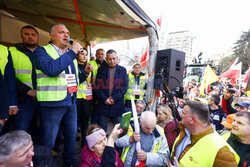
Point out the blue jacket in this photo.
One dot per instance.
(7, 89)
(217, 117)
(53, 68)
(102, 91)
(10, 81)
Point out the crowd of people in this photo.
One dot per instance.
(51, 92)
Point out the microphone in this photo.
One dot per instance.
(71, 43)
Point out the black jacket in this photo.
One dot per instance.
(243, 150)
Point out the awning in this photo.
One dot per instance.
(87, 20)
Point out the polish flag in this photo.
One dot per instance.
(93, 44)
(233, 73)
(158, 21)
(245, 81)
(144, 58)
(235, 62)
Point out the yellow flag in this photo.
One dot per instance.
(208, 78)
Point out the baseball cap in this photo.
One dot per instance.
(228, 122)
(243, 104)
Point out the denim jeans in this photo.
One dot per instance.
(51, 118)
(23, 119)
(105, 120)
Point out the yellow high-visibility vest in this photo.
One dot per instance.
(155, 149)
(82, 88)
(95, 68)
(52, 88)
(203, 153)
(22, 66)
(131, 83)
(3, 58)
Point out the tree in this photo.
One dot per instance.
(241, 50)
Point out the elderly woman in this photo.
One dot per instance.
(166, 121)
(93, 150)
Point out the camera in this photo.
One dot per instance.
(231, 91)
(178, 92)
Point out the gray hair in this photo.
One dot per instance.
(141, 102)
(51, 29)
(12, 141)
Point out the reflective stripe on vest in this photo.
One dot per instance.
(203, 153)
(52, 88)
(22, 66)
(155, 148)
(3, 58)
(131, 83)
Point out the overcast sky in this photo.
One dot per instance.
(215, 24)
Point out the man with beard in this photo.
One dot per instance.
(22, 56)
(217, 115)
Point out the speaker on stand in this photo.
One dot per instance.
(169, 68)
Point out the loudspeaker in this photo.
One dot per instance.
(169, 67)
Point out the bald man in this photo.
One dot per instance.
(154, 147)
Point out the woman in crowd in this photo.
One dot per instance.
(84, 94)
(166, 121)
(93, 150)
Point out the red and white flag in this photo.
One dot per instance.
(235, 62)
(145, 57)
(234, 73)
(93, 44)
(245, 81)
(158, 21)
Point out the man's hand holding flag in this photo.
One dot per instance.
(137, 130)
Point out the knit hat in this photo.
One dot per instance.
(228, 122)
(93, 138)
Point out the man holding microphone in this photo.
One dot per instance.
(57, 80)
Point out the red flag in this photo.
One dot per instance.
(234, 72)
(158, 93)
(141, 164)
(247, 76)
(245, 81)
(144, 58)
(235, 62)
(158, 21)
(93, 44)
